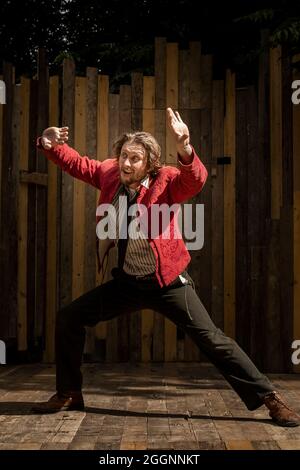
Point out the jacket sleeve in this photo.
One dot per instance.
(70, 161)
(188, 181)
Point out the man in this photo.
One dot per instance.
(151, 271)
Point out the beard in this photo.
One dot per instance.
(130, 179)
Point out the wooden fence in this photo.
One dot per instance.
(248, 272)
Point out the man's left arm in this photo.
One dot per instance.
(192, 174)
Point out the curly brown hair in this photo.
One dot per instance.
(148, 142)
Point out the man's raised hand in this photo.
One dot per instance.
(53, 136)
(180, 132)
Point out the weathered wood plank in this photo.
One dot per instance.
(229, 207)
(79, 206)
(205, 81)
(102, 154)
(23, 214)
(52, 239)
(137, 101)
(112, 325)
(31, 236)
(171, 158)
(125, 109)
(296, 170)
(147, 318)
(9, 214)
(217, 204)
(90, 195)
(195, 72)
(41, 200)
(171, 97)
(286, 216)
(160, 94)
(276, 131)
(67, 189)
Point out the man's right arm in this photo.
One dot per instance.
(53, 145)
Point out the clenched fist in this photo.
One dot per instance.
(53, 136)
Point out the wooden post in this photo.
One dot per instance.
(90, 195)
(148, 126)
(9, 229)
(112, 325)
(102, 154)
(276, 131)
(160, 135)
(229, 208)
(137, 101)
(217, 205)
(171, 158)
(79, 204)
(67, 190)
(52, 239)
(296, 171)
(171, 97)
(124, 321)
(41, 202)
(286, 219)
(23, 214)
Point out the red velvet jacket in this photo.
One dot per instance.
(171, 185)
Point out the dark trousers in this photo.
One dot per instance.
(177, 302)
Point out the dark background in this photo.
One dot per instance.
(117, 36)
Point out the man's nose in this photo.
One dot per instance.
(127, 163)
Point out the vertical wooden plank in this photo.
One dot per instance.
(137, 101)
(67, 190)
(135, 322)
(217, 205)
(296, 171)
(125, 118)
(184, 81)
(79, 208)
(171, 97)
(229, 207)
(8, 231)
(31, 235)
(160, 135)
(14, 189)
(205, 81)
(52, 241)
(147, 319)
(276, 131)
(186, 349)
(112, 325)
(41, 201)
(102, 154)
(195, 72)
(160, 94)
(243, 319)
(125, 109)
(90, 196)
(149, 105)
(200, 128)
(250, 250)
(262, 248)
(23, 209)
(171, 157)
(286, 223)
(102, 117)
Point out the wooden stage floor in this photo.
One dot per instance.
(155, 406)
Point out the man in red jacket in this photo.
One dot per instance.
(151, 270)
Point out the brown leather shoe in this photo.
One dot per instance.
(61, 402)
(280, 413)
